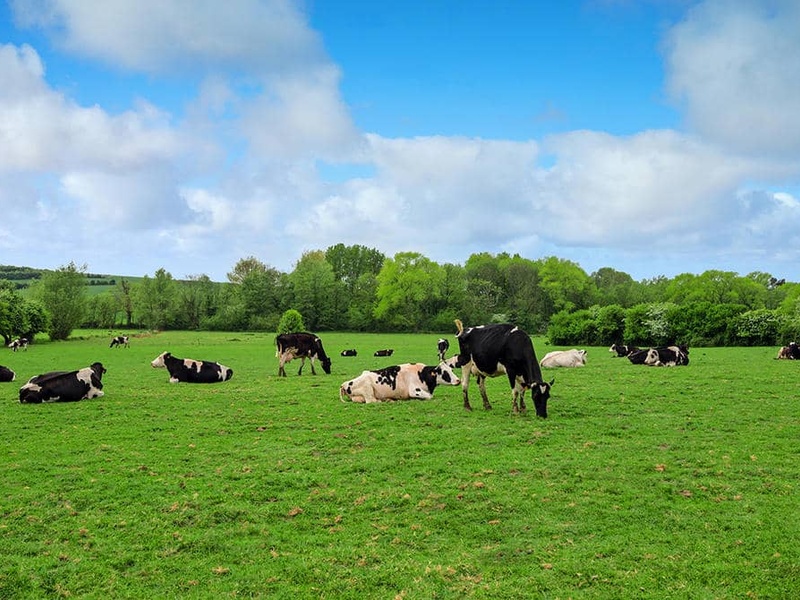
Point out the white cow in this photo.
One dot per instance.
(564, 358)
(400, 382)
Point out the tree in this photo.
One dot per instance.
(409, 291)
(245, 267)
(63, 294)
(313, 290)
(101, 310)
(567, 286)
(156, 300)
(123, 294)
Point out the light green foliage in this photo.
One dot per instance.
(155, 299)
(315, 291)
(291, 322)
(63, 294)
(409, 291)
(757, 327)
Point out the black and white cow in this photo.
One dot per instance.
(790, 352)
(19, 343)
(64, 386)
(622, 350)
(442, 346)
(349, 352)
(665, 356)
(492, 350)
(7, 374)
(121, 341)
(387, 352)
(303, 346)
(188, 370)
(400, 382)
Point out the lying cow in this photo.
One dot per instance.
(666, 356)
(19, 343)
(121, 341)
(400, 382)
(387, 352)
(564, 358)
(622, 350)
(350, 352)
(64, 386)
(7, 374)
(442, 346)
(191, 371)
(790, 352)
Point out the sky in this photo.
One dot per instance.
(655, 137)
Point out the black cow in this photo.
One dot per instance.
(350, 352)
(187, 370)
(19, 343)
(665, 356)
(64, 386)
(120, 340)
(303, 346)
(491, 350)
(442, 346)
(622, 350)
(7, 374)
(387, 352)
(790, 352)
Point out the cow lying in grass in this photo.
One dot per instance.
(400, 382)
(188, 370)
(64, 386)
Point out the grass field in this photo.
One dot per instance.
(643, 483)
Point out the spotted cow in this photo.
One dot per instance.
(7, 375)
(303, 346)
(121, 341)
(399, 382)
(64, 386)
(187, 370)
(442, 346)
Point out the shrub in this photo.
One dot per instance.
(291, 322)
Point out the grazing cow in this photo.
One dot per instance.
(491, 350)
(7, 374)
(19, 343)
(442, 346)
(790, 352)
(666, 356)
(303, 346)
(64, 386)
(400, 382)
(387, 352)
(564, 358)
(191, 371)
(622, 350)
(350, 352)
(120, 340)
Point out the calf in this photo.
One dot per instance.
(400, 382)
(387, 352)
(349, 353)
(120, 340)
(501, 348)
(564, 358)
(7, 374)
(188, 370)
(19, 343)
(621, 350)
(64, 386)
(442, 346)
(303, 346)
(790, 352)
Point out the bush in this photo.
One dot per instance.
(568, 329)
(291, 322)
(757, 327)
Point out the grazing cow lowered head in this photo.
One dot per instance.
(121, 341)
(564, 358)
(400, 382)
(18, 343)
(303, 346)
(7, 374)
(64, 386)
(442, 346)
(188, 370)
(350, 352)
(496, 349)
(387, 352)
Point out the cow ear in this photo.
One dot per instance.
(552, 381)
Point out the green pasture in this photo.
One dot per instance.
(643, 483)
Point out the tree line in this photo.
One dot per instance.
(356, 288)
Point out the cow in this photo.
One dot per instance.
(303, 346)
(188, 370)
(622, 350)
(564, 358)
(399, 382)
(64, 386)
(387, 352)
(349, 352)
(19, 343)
(7, 375)
(665, 356)
(121, 341)
(790, 352)
(490, 351)
(442, 347)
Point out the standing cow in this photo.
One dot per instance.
(564, 358)
(492, 350)
(19, 343)
(400, 382)
(442, 346)
(121, 341)
(64, 386)
(188, 370)
(303, 346)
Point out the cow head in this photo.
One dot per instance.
(326, 364)
(445, 374)
(158, 361)
(540, 392)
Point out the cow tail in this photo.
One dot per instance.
(459, 326)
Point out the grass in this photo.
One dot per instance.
(643, 483)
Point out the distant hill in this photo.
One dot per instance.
(23, 277)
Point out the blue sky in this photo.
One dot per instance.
(656, 137)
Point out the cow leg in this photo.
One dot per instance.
(482, 388)
(302, 364)
(465, 372)
(311, 360)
